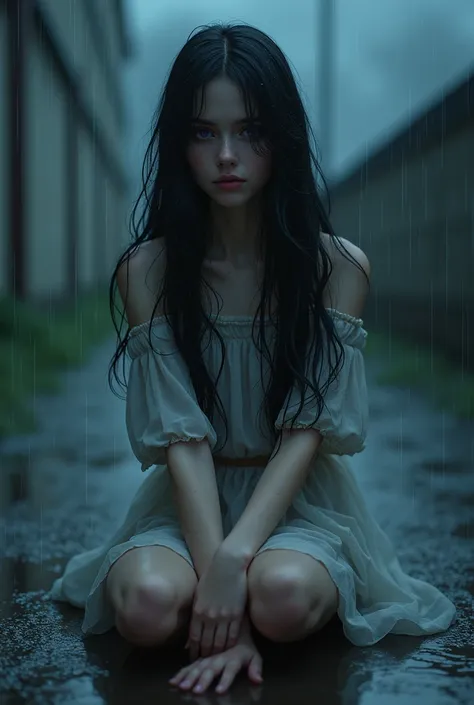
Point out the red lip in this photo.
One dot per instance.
(224, 179)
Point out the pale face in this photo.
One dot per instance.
(220, 146)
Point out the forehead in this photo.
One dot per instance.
(222, 102)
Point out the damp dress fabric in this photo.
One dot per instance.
(328, 519)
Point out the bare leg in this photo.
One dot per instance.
(291, 595)
(151, 589)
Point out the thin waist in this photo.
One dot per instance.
(253, 462)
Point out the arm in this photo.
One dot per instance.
(287, 470)
(284, 476)
(194, 482)
(190, 463)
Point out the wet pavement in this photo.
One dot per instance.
(66, 486)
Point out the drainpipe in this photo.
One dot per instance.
(327, 13)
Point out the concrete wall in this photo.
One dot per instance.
(411, 209)
(73, 196)
(4, 162)
(87, 260)
(83, 30)
(46, 174)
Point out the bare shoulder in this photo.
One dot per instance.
(139, 280)
(348, 285)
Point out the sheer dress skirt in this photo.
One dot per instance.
(328, 520)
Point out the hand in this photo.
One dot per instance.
(200, 674)
(219, 603)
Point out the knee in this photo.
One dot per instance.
(148, 612)
(282, 605)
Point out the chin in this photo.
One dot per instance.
(230, 205)
(230, 200)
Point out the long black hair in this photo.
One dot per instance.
(171, 206)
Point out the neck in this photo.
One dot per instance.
(235, 234)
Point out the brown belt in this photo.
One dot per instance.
(256, 461)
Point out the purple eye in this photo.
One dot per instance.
(201, 133)
(254, 131)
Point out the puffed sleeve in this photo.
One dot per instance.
(161, 406)
(343, 420)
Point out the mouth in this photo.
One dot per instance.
(229, 180)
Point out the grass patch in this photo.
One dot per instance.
(36, 345)
(409, 364)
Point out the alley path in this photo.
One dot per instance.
(68, 485)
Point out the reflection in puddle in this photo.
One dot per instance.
(432, 673)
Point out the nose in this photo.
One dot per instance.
(227, 153)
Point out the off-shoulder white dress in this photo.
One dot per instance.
(328, 519)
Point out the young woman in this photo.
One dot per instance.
(246, 390)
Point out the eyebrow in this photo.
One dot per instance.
(200, 121)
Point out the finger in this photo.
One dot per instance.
(194, 639)
(181, 675)
(230, 671)
(210, 669)
(195, 631)
(220, 638)
(207, 639)
(234, 630)
(192, 676)
(206, 678)
(254, 670)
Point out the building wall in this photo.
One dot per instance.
(411, 209)
(5, 479)
(417, 219)
(4, 160)
(46, 238)
(82, 29)
(86, 234)
(74, 196)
